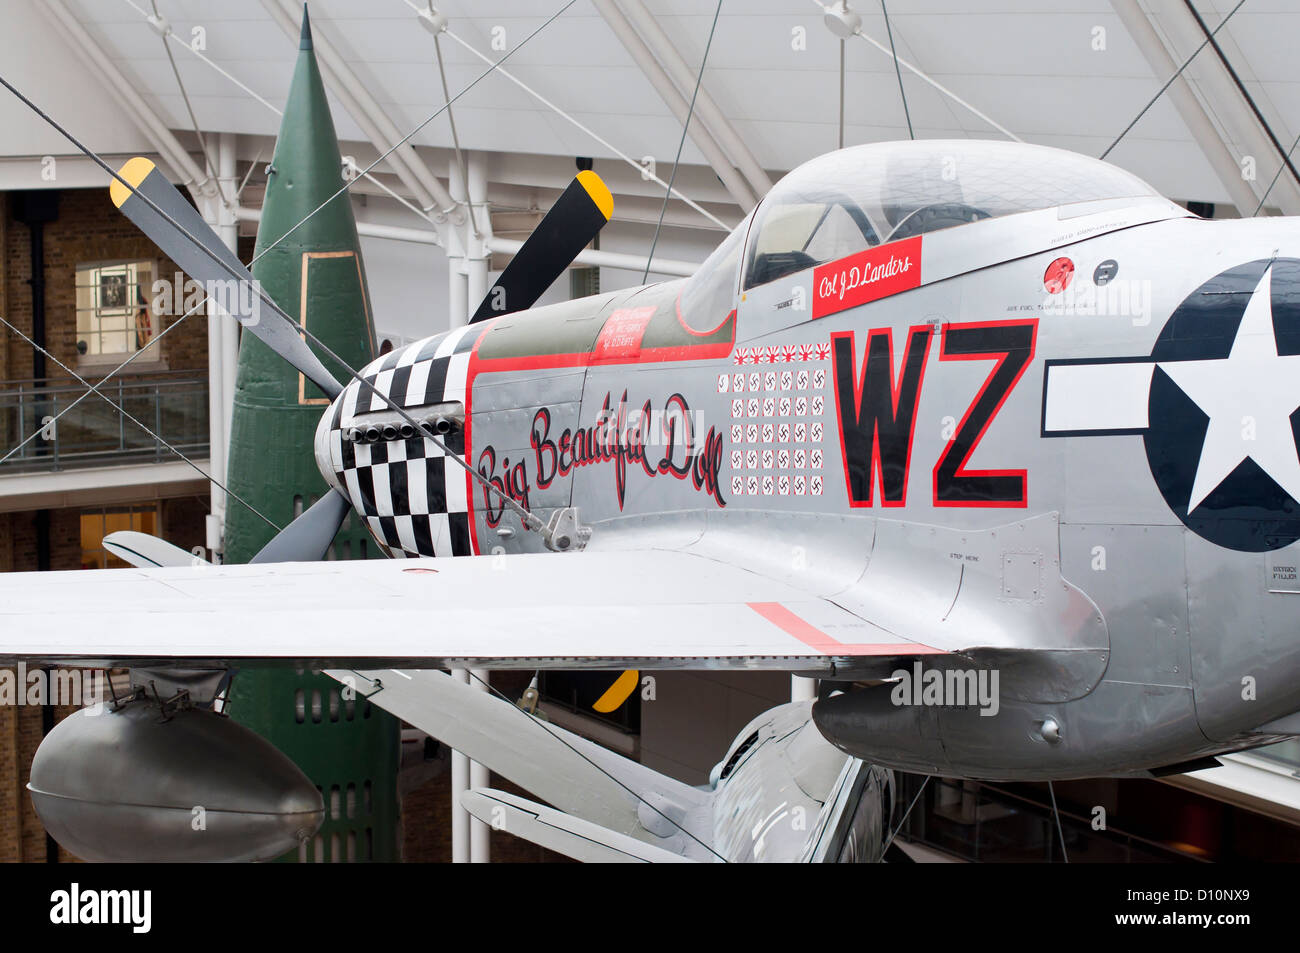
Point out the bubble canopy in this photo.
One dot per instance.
(849, 200)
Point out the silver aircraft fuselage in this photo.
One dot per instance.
(1062, 438)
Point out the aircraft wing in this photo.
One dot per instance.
(649, 608)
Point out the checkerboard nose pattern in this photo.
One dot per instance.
(414, 500)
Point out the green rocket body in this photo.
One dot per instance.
(349, 748)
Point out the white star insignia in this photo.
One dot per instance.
(1249, 397)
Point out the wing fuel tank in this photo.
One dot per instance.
(136, 785)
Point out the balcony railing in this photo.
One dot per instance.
(93, 433)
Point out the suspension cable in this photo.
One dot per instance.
(161, 25)
(586, 130)
(279, 112)
(937, 85)
(1170, 81)
(681, 143)
(1057, 814)
(1280, 169)
(898, 70)
(455, 136)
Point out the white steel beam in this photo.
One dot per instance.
(478, 228)
(457, 277)
(149, 122)
(374, 122)
(671, 267)
(479, 777)
(228, 232)
(459, 785)
(1220, 157)
(641, 54)
(714, 120)
(608, 259)
(99, 486)
(802, 689)
(219, 401)
(1225, 101)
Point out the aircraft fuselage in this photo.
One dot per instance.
(1068, 436)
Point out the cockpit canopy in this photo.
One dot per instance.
(847, 201)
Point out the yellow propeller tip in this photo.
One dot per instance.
(133, 173)
(598, 191)
(619, 692)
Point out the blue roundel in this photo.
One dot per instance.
(1238, 502)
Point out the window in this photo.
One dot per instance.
(799, 235)
(98, 523)
(114, 317)
(709, 295)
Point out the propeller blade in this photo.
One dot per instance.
(212, 262)
(307, 538)
(573, 221)
(618, 692)
(148, 552)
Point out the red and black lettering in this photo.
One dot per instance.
(1011, 344)
(876, 415)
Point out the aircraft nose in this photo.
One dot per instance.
(328, 444)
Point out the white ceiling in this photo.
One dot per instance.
(1029, 64)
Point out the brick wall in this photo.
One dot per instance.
(22, 838)
(18, 541)
(88, 229)
(182, 524)
(21, 727)
(183, 521)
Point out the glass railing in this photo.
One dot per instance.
(1284, 752)
(1014, 823)
(93, 432)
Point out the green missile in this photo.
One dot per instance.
(315, 274)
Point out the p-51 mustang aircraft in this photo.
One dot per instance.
(936, 417)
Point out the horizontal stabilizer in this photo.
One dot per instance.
(561, 832)
(148, 552)
(566, 770)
